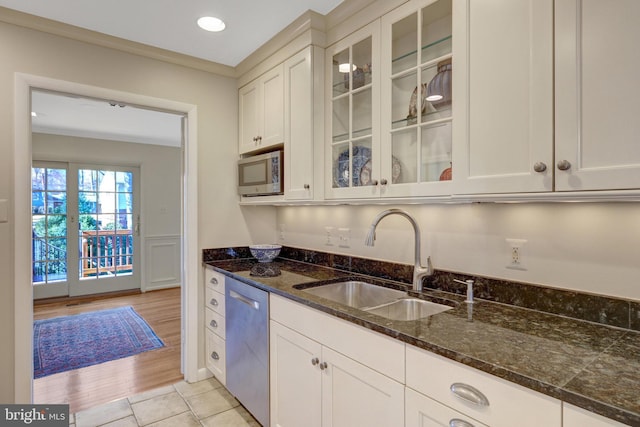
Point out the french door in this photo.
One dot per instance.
(86, 229)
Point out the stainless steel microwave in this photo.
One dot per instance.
(261, 175)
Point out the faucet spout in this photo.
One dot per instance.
(419, 271)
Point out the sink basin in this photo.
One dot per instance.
(356, 294)
(408, 309)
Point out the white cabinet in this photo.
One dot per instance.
(422, 411)
(573, 416)
(303, 124)
(416, 115)
(478, 395)
(352, 119)
(215, 346)
(328, 372)
(503, 110)
(597, 92)
(261, 112)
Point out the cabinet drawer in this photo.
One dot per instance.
(214, 300)
(507, 404)
(216, 356)
(422, 411)
(379, 352)
(214, 280)
(215, 322)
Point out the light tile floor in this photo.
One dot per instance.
(206, 403)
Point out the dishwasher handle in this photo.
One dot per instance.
(246, 300)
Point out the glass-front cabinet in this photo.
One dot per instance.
(352, 119)
(417, 99)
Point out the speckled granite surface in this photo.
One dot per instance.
(590, 365)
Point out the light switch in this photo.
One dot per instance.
(4, 210)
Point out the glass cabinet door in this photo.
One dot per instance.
(417, 56)
(351, 102)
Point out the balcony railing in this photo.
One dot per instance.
(106, 252)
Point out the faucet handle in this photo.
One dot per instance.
(469, 283)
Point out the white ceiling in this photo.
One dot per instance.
(171, 24)
(166, 24)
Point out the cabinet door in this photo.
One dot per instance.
(597, 92)
(422, 411)
(416, 77)
(249, 117)
(295, 381)
(573, 416)
(299, 125)
(352, 115)
(354, 395)
(272, 108)
(503, 74)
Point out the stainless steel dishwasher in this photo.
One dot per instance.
(247, 340)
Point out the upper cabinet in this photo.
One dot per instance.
(352, 117)
(503, 126)
(261, 112)
(416, 107)
(597, 93)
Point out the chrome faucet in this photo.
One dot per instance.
(418, 270)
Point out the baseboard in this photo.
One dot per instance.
(203, 374)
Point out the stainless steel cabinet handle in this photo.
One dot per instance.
(213, 324)
(213, 281)
(315, 361)
(251, 303)
(307, 186)
(383, 181)
(214, 302)
(539, 167)
(469, 394)
(564, 165)
(456, 422)
(323, 366)
(215, 356)
(374, 182)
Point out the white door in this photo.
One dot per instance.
(295, 380)
(597, 92)
(354, 395)
(85, 229)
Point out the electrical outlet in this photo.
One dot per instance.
(281, 229)
(516, 254)
(344, 237)
(328, 233)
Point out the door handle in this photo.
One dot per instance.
(246, 300)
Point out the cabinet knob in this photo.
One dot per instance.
(374, 182)
(564, 165)
(457, 422)
(213, 281)
(469, 394)
(315, 361)
(383, 181)
(307, 186)
(213, 302)
(539, 167)
(323, 366)
(214, 324)
(215, 356)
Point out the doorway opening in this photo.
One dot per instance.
(188, 266)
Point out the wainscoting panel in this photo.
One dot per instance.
(162, 266)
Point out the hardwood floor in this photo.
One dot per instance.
(94, 385)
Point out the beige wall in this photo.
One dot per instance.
(221, 221)
(591, 247)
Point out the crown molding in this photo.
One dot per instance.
(49, 26)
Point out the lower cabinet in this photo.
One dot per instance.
(425, 412)
(572, 416)
(315, 385)
(214, 314)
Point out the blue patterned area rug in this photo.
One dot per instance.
(71, 342)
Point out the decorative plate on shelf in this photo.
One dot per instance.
(396, 172)
(361, 168)
(413, 104)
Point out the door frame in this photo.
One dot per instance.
(23, 291)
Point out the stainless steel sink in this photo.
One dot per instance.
(408, 309)
(356, 294)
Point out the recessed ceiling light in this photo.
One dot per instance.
(211, 23)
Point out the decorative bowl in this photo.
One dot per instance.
(265, 253)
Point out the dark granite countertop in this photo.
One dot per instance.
(592, 366)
